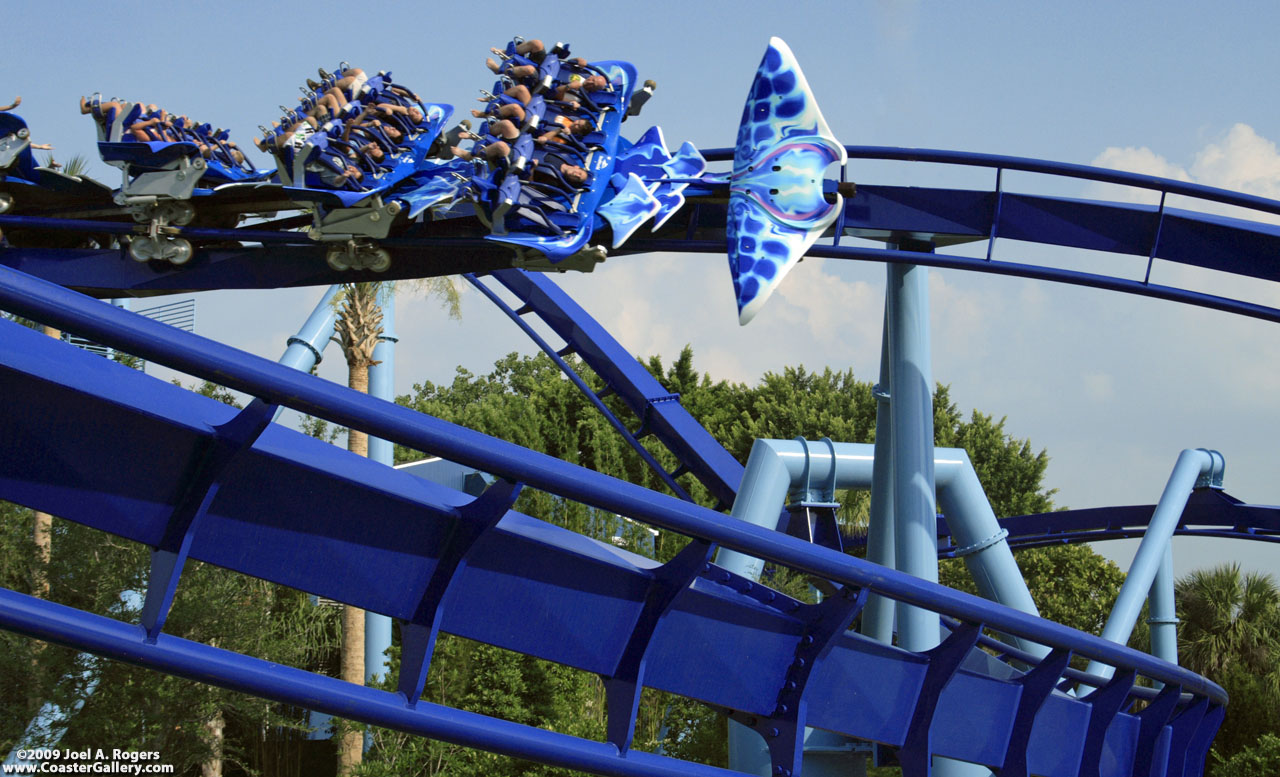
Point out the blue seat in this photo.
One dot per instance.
(522, 151)
(318, 152)
(376, 135)
(549, 166)
(548, 73)
(146, 154)
(534, 112)
(505, 197)
(551, 197)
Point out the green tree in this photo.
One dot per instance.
(1258, 760)
(1228, 618)
(528, 401)
(89, 570)
(1230, 632)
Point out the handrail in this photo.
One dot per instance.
(197, 356)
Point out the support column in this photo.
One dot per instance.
(304, 351)
(377, 628)
(911, 414)
(1163, 618)
(1154, 549)
(877, 617)
(765, 484)
(306, 346)
(914, 501)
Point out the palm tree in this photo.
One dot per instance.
(76, 166)
(42, 531)
(1228, 619)
(1230, 631)
(356, 330)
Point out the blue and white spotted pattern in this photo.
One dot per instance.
(776, 208)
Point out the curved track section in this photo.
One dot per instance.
(194, 476)
(264, 258)
(1210, 512)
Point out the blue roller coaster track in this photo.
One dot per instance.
(114, 449)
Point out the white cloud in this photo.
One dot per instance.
(1140, 160)
(826, 308)
(1239, 160)
(962, 314)
(1186, 376)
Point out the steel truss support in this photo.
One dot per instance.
(167, 558)
(623, 687)
(419, 633)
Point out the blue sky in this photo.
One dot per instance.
(1112, 386)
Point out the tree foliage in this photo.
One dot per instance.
(1261, 759)
(91, 571)
(1230, 632)
(526, 400)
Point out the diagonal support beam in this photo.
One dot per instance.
(1202, 740)
(418, 636)
(594, 397)
(1104, 705)
(623, 688)
(167, 558)
(916, 755)
(827, 621)
(1152, 722)
(1183, 760)
(1037, 686)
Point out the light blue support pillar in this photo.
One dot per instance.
(877, 617)
(1153, 550)
(979, 538)
(777, 469)
(765, 484)
(1163, 617)
(911, 414)
(764, 477)
(377, 628)
(305, 348)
